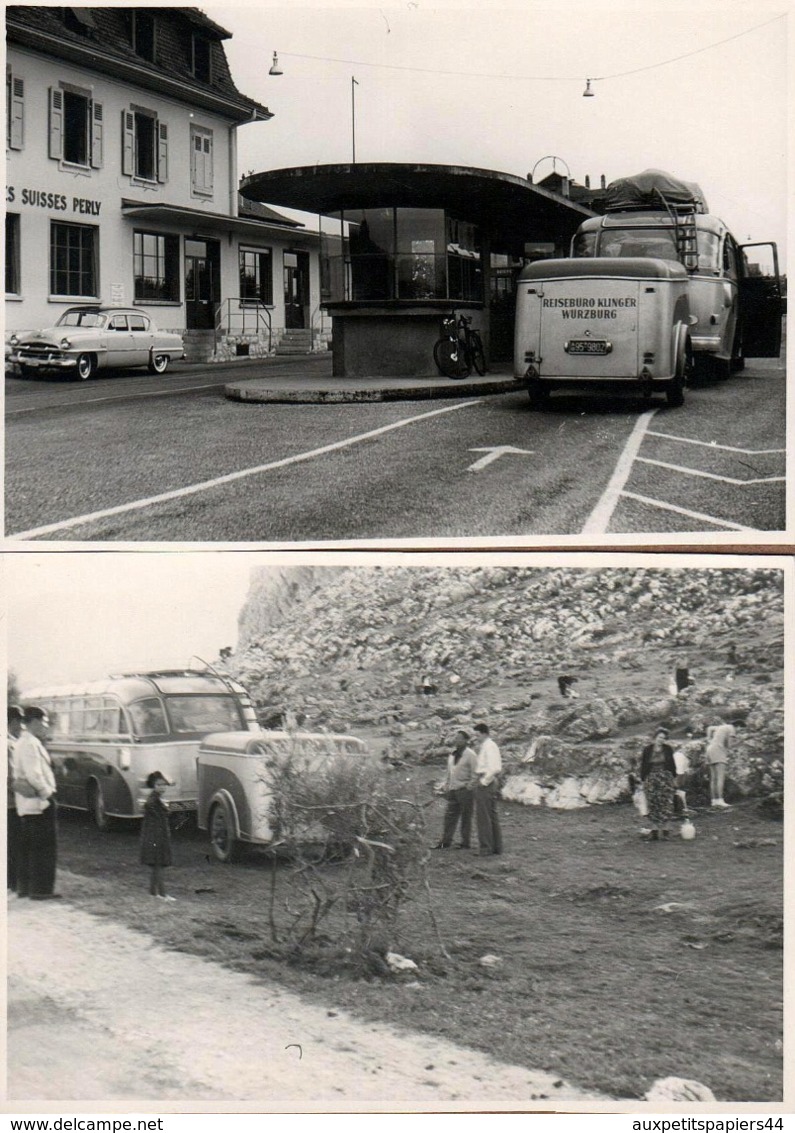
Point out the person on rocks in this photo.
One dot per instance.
(682, 679)
(658, 775)
(15, 717)
(34, 796)
(719, 740)
(459, 787)
(156, 835)
(488, 766)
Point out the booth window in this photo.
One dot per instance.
(464, 266)
(12, 254)
(156, 266)
(76, 127)
(256, 275)
(420, 253)
(409, 254)
(201, 162)
(144, 145)
(73, 259)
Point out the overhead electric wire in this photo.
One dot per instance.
(532, 78)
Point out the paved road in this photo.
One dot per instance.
(165, 459)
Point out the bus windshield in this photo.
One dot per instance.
(203, 714)
(656, 243)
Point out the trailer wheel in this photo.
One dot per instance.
(539, 395)
(675, 394)
(224, 845)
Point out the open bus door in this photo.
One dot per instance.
(761, 306)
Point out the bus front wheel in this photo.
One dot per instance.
(96, 806)
(224, 844)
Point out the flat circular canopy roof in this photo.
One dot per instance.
(509, 207)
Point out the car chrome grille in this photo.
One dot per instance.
(39, 351)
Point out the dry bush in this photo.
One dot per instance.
(357, 853)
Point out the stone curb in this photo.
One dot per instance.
(254, 391)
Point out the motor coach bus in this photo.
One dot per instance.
(656, 289)
(234, 796)
(108, 736)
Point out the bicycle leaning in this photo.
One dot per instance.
(459, 350)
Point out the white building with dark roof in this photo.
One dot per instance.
(122, 181)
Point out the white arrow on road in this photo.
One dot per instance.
(494, 454)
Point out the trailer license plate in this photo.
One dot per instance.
(585, 346)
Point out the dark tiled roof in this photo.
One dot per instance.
(257, 211)
(111, 32)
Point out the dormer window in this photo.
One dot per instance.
(143, 34)
(80, 20)
(200, 57)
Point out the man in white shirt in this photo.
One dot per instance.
(720, 738)
(488, 766)
(34, 795)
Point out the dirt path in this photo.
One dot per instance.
(99, 1013)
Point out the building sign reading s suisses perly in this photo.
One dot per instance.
(58, 202)
(587, 308)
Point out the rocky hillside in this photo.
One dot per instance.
(402, 655)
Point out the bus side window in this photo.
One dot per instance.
(148, 718)
(584, 244)
(708, 251)
(730, 257)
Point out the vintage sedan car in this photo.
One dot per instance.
(234, 796)
(90, 338)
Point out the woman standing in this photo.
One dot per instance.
(156, 835)
(658, 775)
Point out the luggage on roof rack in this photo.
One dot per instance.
(654, 189)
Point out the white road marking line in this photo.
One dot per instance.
(710, 475)
(493, 454)
(690, 514)
(599, 519)
(715, 445)
(115, 397)
(230, 477)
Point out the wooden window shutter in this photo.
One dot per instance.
(16, 131)
(162, 152)
(127, 143)
(56, 123)
(208, 164)
(96, 135)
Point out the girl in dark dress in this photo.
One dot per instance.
(156, 835)
(658, 775)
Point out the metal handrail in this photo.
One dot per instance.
(223, 316)
(317, 311)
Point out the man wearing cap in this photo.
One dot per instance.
(13, 829)
(458, 788)
(488, 766)
(34, 794)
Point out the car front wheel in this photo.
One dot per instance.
(222, 840)
(158, 363)
(85, 367)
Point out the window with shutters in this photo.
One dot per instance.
(13, 286)
(76, 127)
(144, 145)
(201, 166)
(74, 254)
(15, 111)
